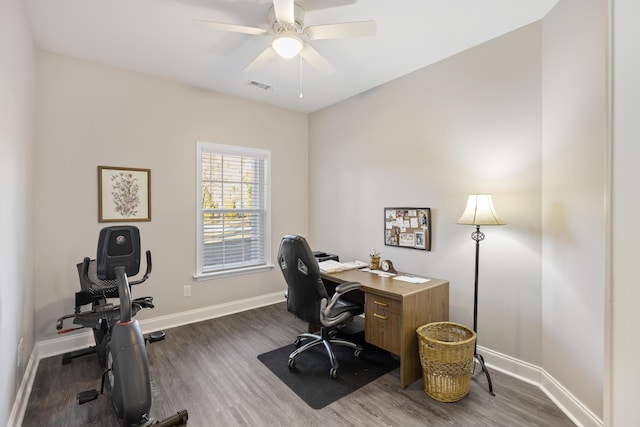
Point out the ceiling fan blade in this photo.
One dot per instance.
(284, 10)
(342, 30)
(260, 60)
(220, 26)
(316, 60)
(324, 4)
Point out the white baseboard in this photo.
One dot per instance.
(511, 366)
(22, 397)
(508, 365)
(579, 413)
(567, 402)
(56, 346)
(211, 312)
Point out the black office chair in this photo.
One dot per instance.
(308, 300)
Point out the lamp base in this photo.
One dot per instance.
(480, 360)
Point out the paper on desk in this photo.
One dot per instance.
(333, 266)
(378, 272)
(412, 279)
(383, 274)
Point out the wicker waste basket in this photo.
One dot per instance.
(446, 355)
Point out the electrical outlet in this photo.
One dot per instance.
(187, 290)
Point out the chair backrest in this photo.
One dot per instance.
(302, 274)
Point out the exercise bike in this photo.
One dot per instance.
(119, 343)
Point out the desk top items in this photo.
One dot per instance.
(375, 260)
(324, 256)
(333, 266)
(408, 228)
(387, 266)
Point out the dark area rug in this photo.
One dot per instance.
(310, 378)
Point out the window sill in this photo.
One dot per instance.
(230, 273)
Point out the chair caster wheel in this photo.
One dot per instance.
(333, 373)
(292, 363)
(358, 354)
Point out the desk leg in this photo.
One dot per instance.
(410, 367)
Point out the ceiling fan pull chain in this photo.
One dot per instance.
(300, 61)
(273, 73)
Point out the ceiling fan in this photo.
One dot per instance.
(288, 33)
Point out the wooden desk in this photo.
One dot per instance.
(394, 310)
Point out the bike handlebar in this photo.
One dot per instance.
(124, 291)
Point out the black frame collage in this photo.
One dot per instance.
(408, 228)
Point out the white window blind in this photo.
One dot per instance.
(233, 209)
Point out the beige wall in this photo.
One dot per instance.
(622, 402)
(468, 124)
(573, 196)
(17, 103)
(90, 115)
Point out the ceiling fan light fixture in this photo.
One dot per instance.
(287, 44)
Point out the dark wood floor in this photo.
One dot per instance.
(211, 369)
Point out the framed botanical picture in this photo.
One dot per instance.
(408, 228)
(124, 194)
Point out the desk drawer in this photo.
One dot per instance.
(380, 304)
(382, 322)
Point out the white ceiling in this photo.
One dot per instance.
(157, 37)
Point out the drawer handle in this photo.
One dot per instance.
(381, 304)
(379, 316)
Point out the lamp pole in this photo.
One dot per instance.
(478, 236)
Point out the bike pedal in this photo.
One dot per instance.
(87, 396)
(156, 336)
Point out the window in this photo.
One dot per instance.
(233, 210)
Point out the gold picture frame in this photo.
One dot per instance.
(124, 194)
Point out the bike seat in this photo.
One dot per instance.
(90, 283)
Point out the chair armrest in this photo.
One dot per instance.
(345, 287)
(341, 289)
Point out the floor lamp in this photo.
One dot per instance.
(479, 211)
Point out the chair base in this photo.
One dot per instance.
(325, 338)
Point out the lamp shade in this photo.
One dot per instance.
(480, 211)
(287, 44)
